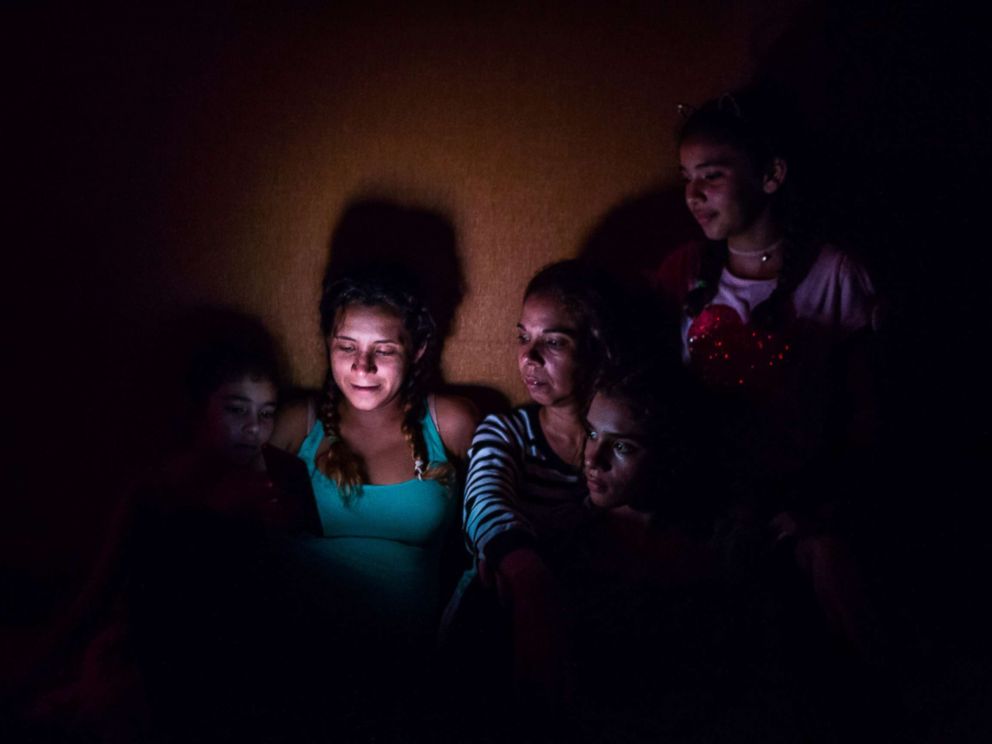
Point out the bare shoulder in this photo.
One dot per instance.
(457, 418)
(292, 425)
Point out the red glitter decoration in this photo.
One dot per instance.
(727, 353)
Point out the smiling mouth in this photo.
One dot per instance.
(365, 388)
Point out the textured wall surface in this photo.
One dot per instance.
(170, 159)
(522, 127)
(173, 159)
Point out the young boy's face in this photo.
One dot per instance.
(238, 420)
(617, 454)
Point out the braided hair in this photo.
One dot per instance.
(392, 291)
(759, 125)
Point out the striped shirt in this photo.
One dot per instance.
(518, 492)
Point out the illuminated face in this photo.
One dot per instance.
(370, 356)
(238, 420)
(724, 191)
(616, 454)
(547, 351)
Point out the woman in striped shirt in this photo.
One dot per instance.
(524, 493)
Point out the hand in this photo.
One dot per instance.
(540, 628)
(251, 496)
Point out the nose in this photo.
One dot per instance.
(252, 425)
(531, 352)
(364, 363)
(594, 455)
(693, 191)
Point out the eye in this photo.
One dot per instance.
(522, 338)
(624, 448)
(344, 348)
(236, 409)
(712, 176)
(591, 433)
(267, 414)
(387, 352)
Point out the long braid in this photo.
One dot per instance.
(338, 462)
(379, 288)
(414, 411)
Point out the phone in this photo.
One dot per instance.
(289, 474)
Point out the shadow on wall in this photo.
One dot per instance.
(633, 238)
(421, 243)
(629, 244)
(44, 563)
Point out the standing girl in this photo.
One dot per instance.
(774, 324)
(769, 313)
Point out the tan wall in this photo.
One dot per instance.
(169, 159)
(524, 129)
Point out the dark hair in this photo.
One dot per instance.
(590, 299)
(229, 359)
(664, 402)
(758, 122)
(657, 394)
(762, 125)
(391, 290)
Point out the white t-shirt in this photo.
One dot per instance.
(788, 375)
(835, 299)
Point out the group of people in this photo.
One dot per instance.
(617, 525)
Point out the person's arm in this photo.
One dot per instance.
(292, 425)
(858, 313)
(456, 420)
(505, 543)
(494, 524)
(541, 630)
(674, 276)
(36, 660)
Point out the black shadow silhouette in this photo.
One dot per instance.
(421, 244)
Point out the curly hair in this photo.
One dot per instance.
(392, 291)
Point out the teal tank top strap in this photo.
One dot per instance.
(432, 438)
(308, 450)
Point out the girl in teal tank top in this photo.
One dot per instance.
(381, 456)
(384, 546)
